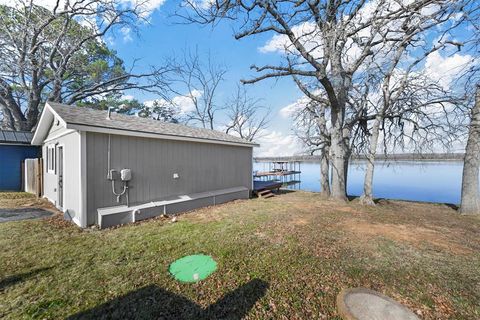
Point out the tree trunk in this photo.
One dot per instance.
(8, 122)
(321, 122)
(339, 149)
(470, 202)
(345, 168)
(324, 174)
(339, 161)
(32, 113)
(367, 196)
(16, 114)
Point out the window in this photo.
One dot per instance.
(51, 159)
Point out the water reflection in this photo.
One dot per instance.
(432, 181)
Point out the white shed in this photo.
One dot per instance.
(110, 170)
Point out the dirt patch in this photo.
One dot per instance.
(405, 233)
(347, 210)
(300, 221)
(213, 213)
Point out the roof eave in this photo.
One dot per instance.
(24, 144)
(99, 129)
(46, 118)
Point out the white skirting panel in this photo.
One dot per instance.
(112, 216)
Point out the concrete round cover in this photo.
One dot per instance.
(366, 304)
(193, 268)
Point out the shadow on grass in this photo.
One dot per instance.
(153, 302)
(286, 191)
(14, 279)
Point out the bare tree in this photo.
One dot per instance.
(201, 81)
(245, 116)
(470, 201)
(59, 54)
(311, 128)
(328, 44)
(392, 83)
(470, 198)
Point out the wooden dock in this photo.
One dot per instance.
(275, 173)
(263, 189)
(266, 185)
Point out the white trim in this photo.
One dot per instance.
(41, 129)
(251, 173)
(81, 127)
(49, 158)
(36, 133)
(59, 135)
(64, 124)
(62, 145)
(83, 179)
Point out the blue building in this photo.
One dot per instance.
(14, 148)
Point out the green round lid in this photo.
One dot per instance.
(193, 268)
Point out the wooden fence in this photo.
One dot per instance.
(33, 176)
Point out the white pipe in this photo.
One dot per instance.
(109, 112)
(128, 201)
(125, 187)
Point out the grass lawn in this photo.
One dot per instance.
(282, 258)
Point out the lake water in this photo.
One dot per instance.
(418, 181)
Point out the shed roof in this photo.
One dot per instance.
(15, 137)
(94, 120)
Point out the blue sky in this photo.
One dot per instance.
(163, 38)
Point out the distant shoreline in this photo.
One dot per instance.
(380, 157)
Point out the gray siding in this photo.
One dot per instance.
(201, 167)
(231, 196)
(71, 180)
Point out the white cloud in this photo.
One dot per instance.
(312, 40)
(288, 111)
(202, 4)
(127, 34)
(152, 5)
(49, 4)
(430, 9)
(183, 103)
(446, 69)
(276, 143)
(311, 37)
(147, 7)
(281, 43)
(109, 40)
(127, 97)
